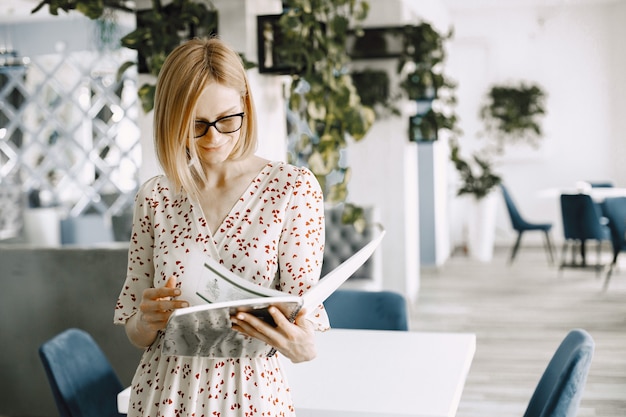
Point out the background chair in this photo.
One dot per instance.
(521, 226)
(81, 378)
(601, 184)
(561, 386)
(614, 209)
(372, 310)
(582, 221)
(344, 240)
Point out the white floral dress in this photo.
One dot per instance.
(274, 236)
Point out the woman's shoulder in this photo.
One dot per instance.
(158, 184)
(298, 179)
(287, 170)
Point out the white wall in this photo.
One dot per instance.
(617, 33)
(575, 51)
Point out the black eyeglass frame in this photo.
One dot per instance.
(214, 124)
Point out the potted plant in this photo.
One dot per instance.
(512, 113)
(478, 181)
(322, 95)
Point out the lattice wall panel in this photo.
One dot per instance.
(68, 135)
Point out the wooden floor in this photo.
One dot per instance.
(520, 314)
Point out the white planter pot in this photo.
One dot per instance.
(42, 227)
(481, 228)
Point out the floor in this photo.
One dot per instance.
(520, 313)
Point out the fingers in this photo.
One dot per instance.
(158, 303)
(301, 320)
(169, 285)
(249, 323)
(256, 327)
(161, 293)
(294, 340)
(171, 282)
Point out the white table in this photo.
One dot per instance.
(597, 194)
(378, 373)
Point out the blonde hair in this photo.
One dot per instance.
(185, 73)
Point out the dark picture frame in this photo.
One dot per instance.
(269, 41)
(376, 43)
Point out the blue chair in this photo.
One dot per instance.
(520, 225)
(601, 184)
(561, 386)
(82, 380)
(372, 310)
(582, 221)
(614, 209)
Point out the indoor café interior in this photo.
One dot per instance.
(470, 158)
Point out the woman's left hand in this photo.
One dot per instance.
(294, 340)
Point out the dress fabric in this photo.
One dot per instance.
(273, 235)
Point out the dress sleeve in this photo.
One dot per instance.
(140, 271)
(301, 247)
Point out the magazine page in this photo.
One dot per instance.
(214, 283)
(205, 330)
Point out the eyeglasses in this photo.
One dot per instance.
(226, 124)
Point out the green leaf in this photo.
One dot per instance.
(146, 96)
(122, 69)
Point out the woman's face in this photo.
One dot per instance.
(216, 104)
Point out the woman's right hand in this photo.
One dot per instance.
(155, 309)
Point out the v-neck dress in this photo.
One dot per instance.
(273, 236)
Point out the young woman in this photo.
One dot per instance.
(263, 220)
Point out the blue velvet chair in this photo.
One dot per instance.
(582, 221)
(614, 209)
(520, 225)
(372, 310)
(82, 380)
(559, 391)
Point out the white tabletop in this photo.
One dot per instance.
(597, 194)
(378, 373)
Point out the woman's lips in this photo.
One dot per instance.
(213, 148)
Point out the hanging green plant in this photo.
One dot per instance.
(159, 30)
(322, 93)
(426, 127)
(93, 9)
(373, 89)
(421, 61)
(422, 79)
(513, 113)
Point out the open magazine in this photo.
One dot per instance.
(205, 329)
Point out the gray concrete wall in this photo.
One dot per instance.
(43, 292)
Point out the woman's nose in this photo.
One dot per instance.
(211, 134)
